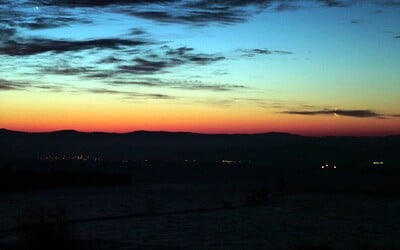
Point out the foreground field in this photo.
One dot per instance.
(209, 216)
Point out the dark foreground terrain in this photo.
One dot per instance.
(70, 190)
(209, 208)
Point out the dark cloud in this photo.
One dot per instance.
(388, 3)
(340, 112)
(286, 7)
(335, 3)
(171, 58)
(26, 85)
(394, 34)
(137, 32)
(27, 14)
(37, 46)
(58, 13)
(204, 59)
(196, 17)
(254, 52)
(49, 22)
(282, 52)
(11, 85)
(196, 12)
(179, 51)
(184, 55)
(358, 21)
(100, 74)
(119, 66)
(129, 94)
(261, 51)
(223, 11)
(193, 4)
(143, 66)
(68, 70)
(110, 59)
(98, 3)
(184, 85)
(6, 33)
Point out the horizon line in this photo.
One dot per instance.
(185, 132)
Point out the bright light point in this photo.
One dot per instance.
(322, 167)
(37, 7)
(334, 166)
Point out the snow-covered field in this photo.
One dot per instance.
(286, 222)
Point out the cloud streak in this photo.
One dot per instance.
(194, 17)
(46, 14)
(10, 85)
(362, 113)
(195, 12)
(129, 94)
(169, 59)
(28, 47)
(184, 85)
(255, 52)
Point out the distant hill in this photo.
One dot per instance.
(267, 148)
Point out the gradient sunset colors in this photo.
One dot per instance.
(230, 66)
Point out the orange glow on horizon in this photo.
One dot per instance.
(86, 114)
(317, 127)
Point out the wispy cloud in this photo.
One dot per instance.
(213, 87)
(6, 85)
(132, 56)
(67, 70)
(363, 113)
(6, 33)
(45, 14)
(394, 34)
(287, 7)
(41, 22)
(195, 17)
(255, 52)
(388, 3)
(129, 94)
(184, 85)
(358, 21)
(110, 60)
(336, 3)
(168, 58)
(144, 66)
(11, 85)
(35, 46)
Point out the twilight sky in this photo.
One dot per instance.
(312, 67)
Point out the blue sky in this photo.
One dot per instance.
(290, 58)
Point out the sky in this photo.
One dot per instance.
(309, 67)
